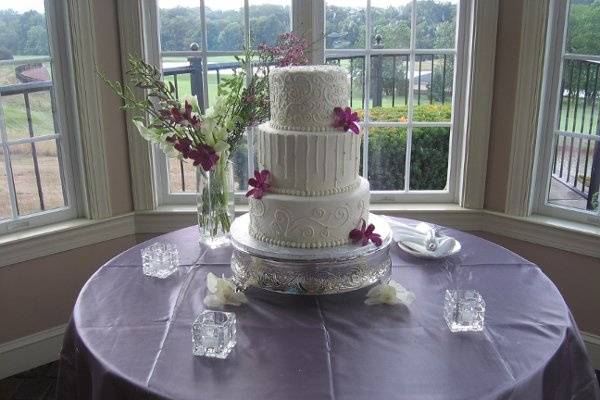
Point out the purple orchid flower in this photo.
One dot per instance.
(346, 119)
(259, 184)
(364, 234)
(205, 156)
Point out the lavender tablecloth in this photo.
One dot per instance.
(129, 337)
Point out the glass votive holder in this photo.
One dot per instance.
(160, 259)
(464, 310)
(214, 334)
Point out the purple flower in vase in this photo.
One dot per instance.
(259, 184)
(364, 234)
(205, 156)
(346, 119)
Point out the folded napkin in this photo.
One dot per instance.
(420, 237)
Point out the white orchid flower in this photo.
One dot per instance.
(389, 293)
(222, 291)
(215, 134)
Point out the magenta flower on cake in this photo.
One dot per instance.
(346, 119)
(364, 234)
(259, 184)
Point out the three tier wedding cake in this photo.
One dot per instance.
(316, 196)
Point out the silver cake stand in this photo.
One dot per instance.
(308, 271)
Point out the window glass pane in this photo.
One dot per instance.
(179, 24)
(355, 66)
(182, 176)
(345, 24)
(579, 101)
(268, 19)
(26, 180)
(28, 112)
(583, 34)
(389, 88)
(433, 79)
(5, 208)
(225, 24)
(218, 68)
(429, 158)
(391, 24)
(436, 24)
(387, 151)
(573, 172)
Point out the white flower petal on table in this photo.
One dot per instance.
(222, 291)
(389, 293)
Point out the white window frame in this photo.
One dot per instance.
(308, 18)
(458, 105)
(65, 139)
(553, 71)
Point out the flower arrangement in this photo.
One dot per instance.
(208, 138)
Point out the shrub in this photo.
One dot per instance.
(429, 156)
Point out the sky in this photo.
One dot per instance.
(22, 5)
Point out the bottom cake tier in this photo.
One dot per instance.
(309, 222)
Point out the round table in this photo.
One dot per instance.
(129, 337)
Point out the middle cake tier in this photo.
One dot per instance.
(308, 163)
(309, 222)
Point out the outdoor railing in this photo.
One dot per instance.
(25, 89)
(576, 160)
(389, 81)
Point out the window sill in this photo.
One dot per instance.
(51, 239)
(56, 238)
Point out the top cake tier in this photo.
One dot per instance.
(303, 98)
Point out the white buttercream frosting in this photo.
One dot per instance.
(316, 196)
(315, 164)
(309, 222)
(303, 98)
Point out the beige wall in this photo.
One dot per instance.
(109, 61)
(39, 294)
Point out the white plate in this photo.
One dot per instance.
(456, 247)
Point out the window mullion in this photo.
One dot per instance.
(204, 49)
(367, 89)
(411, 80)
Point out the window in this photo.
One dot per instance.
(406, 54)
(402, 54)
(195, 33)
(569, 128)
(35, 185)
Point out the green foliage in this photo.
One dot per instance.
(429, 156)
(583, 36)
(23, 33)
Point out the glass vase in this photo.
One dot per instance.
(215, 198)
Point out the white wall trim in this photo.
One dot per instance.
(91, 127)
(31, 351)
(482, 54)
(64, 236)
(527, 103)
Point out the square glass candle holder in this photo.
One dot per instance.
(464, 310)
(214, 334)
(160, 259)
